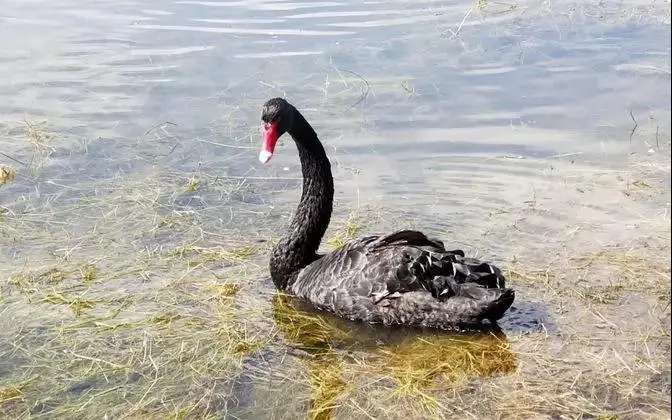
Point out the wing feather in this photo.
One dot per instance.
(364, 279)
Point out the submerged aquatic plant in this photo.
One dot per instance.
(6, 174)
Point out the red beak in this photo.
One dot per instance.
(269, 136)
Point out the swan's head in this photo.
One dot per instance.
(276, 119)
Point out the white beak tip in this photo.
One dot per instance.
(265, 156)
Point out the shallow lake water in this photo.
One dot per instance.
(135, 219)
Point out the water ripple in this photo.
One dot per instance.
(253, 5)
(243, 31)
(172, 51)
(278, 54)
(384, 22)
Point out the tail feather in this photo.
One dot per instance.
(427, 264)
(496, 307)
(492, 303)
(467, 309)
(477, 271)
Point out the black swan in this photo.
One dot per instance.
(403, 278)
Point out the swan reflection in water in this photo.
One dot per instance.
(408, 361)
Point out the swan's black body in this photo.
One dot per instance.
(403, 278)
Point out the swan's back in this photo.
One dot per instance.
(404, 278)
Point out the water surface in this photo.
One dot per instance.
(533, 134)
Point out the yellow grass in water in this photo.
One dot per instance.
(346, 232)
(9, 393)
(418, 362)
(327, 386)
(88, 272)
(417, 366)
(76, 303)
(6, 174)
(200, 255)
(192, 184)
(312, 332)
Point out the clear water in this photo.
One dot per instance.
(504, 128)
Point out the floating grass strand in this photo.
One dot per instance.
(347, 232)
(6, 174)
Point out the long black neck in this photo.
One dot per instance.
(298, 247)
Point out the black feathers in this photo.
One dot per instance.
(404, 278)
